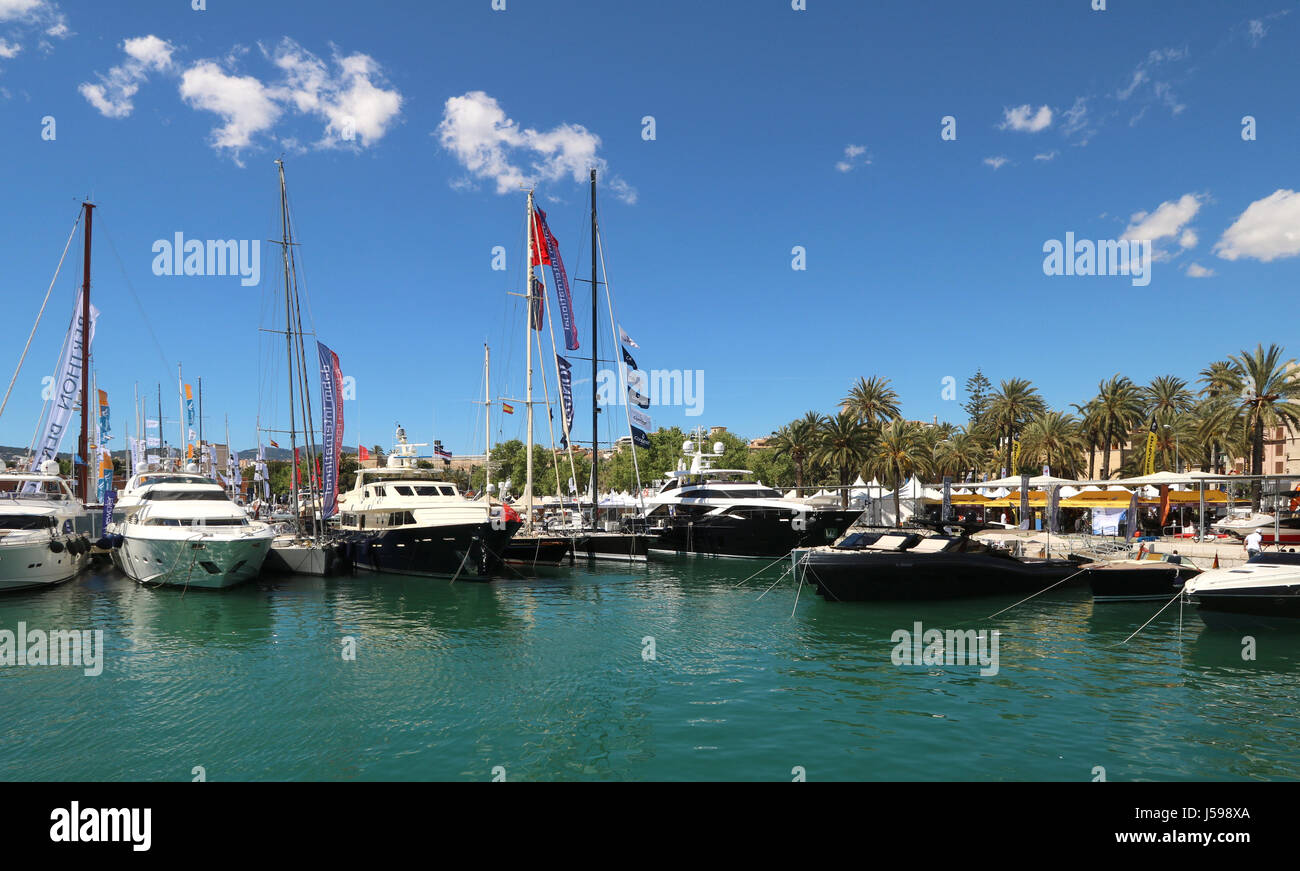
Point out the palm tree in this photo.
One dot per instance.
(1166, 395)
(899, 452)
(958, 455)
(1054, 438)
(1118, 407)
(1221, 378)
(872, 401)
(1014, 403)
(798, 440)
(1216, 426)
(1270, 397)
(1090, 429)
(844, 446)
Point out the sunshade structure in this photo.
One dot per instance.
(1099, 499)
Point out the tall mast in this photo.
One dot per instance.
(528, 342)
(83, 444)
(201, 425)
(160, 432)
(595, 356)
(487, 422)
(180, 403)
(288, 344)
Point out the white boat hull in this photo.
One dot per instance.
(196, 562)
(33, 565)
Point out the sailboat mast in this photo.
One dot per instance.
(201, 424)
(288, 343)
(528, 343)
(160, 430)
(180, 405)
(487, 423)
(595, 357)
(83, 443)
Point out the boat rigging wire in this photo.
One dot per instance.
(1039, 593)
(1177, 595)
(48, 290)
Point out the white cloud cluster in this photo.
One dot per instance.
(22, 19)
(1269, 229)
(1026, 119)
(1196, 270)
(349, 94)
(475, 130)
(1169, 220)
(850, 159)
(1144, 83)
(997, 162)
(112, 94)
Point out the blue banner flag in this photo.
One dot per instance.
(566, 394)
(550, 253)
(331, 379)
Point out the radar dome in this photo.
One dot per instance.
(50, 467)
(717, 447)
(688, 446)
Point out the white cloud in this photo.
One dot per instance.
(1269, 229)
(1047, 155)
(997, 162)
(1159, 90)
(112, 94)
(851, 155)
(20, 19)
(1076, 123)
(1188, 238)
(1257, 31)
(1196, 270)
(489, 145)
(243, 101)
(1168, 220)
(352, 101)
(1026, 119)
(348, 94)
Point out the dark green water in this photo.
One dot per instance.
(545, 678)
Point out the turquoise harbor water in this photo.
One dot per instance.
(545, 678)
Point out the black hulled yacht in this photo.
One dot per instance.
(724, 512)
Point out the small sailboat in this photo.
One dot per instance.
(303, 544)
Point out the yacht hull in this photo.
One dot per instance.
(31, 566)
(613, 546)
(539, 550)
(888, 577)
(198, 563)
(466, 550)
(304, 558)
(1137, 584)
(1229, 607)
(748, 537)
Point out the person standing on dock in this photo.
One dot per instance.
(1253, 543)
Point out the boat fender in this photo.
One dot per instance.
(118, 538)
(104, 542)
(56, 546)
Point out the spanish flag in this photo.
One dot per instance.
(507, 408)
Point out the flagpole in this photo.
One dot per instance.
(528, 344)
(81, 476)
(595, 357)
(180, 403)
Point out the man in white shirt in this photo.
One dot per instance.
(1253, 543)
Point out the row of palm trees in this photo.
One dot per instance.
(1236, 401)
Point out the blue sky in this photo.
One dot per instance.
(775, 128)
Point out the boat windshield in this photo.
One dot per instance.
(185, 496)
(15, 522)
(1277, 558)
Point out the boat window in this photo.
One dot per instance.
(225, 521)
(448, 491)
(185, 496)
(406, 491)
(26, 521)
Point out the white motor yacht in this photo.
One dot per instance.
(44, 529)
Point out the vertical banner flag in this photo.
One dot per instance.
(945, 510)
(639, 420)
(637, 392)
(105, 482)
(331, 379)
(1024, 501)
(566, 397)
(297, 471)
(1053, 508)
(1015, 456)
(189, 406)
(626, 339)
(67, 392)
(536, 303)
(152, 433)
(549, 253)
(1149, 467)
